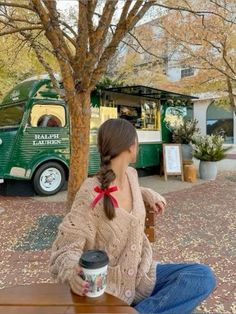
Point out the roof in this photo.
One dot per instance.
(20, 92)
(212, 95)
(150, 92)
(40, 88)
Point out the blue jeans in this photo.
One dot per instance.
(179, 289)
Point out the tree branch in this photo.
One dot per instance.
(71, 40)
(210, 79)
(230, 93)
(200, 13)
(54, 18)
(104, 23)
(82, 38)
(220, 6)
(212, 44)
(50, 31)
(98, 37)
(125, 10)
(202, 55)
(224, 55)
(61, 55)
(16, 5)
(91, 9)
(44, 63)
(213, 66)
(9, 21)
(133, 21)
(19, 20)
(68, 27)
(18, 30)
(134, 10)
(17, 50)
(143, 48)
(118, 36)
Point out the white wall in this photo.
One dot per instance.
(199, 113)
(174, 74)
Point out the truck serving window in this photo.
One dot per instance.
(143, 117)
(150, 116)
(11, 115)
(48, 116)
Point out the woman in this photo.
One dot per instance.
(109, 214)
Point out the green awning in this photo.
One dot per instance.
(150, 92)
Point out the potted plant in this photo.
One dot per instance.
(208, 149)
(183, 133)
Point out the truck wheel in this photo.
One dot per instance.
(49, 178)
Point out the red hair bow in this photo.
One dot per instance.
(107, 192)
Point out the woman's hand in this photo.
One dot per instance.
(153, 200)
(77, 284)
(158, 207)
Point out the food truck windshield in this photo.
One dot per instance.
(11, 115)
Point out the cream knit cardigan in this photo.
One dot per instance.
(131, 271)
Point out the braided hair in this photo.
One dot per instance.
(114, 137)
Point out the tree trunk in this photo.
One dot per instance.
(79, 140)
(231, 94)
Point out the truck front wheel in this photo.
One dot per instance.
(49, 178)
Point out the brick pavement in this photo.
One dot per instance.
(198, 226)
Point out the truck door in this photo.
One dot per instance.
(45, 139)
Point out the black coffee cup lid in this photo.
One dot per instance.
(93, 259)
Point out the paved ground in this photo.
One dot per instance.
(198, 225)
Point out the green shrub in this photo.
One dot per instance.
(209, 147)
(184, 132)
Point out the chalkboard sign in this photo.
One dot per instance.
(172, 157)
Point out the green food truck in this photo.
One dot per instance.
(35, 129)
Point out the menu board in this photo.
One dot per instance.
(172, 158)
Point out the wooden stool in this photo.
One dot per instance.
(150, 222)
(57, 299)
(190, 173)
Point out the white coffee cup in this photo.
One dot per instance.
(94, 265)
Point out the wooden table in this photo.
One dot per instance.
(57, 299)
